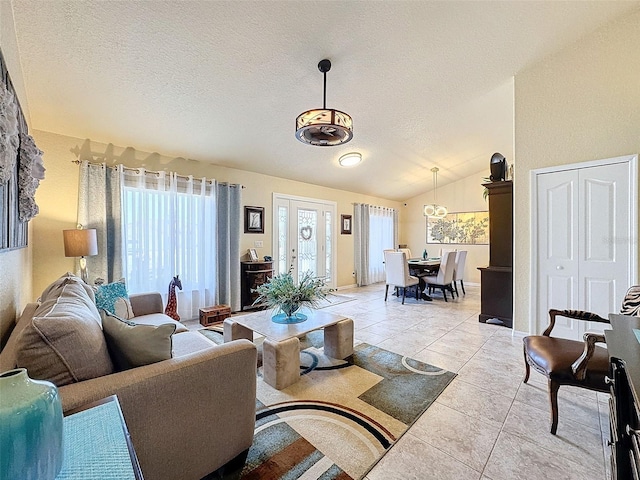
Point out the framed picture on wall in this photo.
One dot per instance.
(253, 255)
(345, 224)
(253, 219)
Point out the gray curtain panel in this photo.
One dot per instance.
(229, 216)
(99, 207)
(361, 243)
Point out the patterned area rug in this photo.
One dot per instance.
(340, 418)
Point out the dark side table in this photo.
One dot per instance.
(97, 445)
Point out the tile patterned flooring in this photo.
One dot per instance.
(487, 424)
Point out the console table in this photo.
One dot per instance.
(252, 275)
(97, 445)
(624, 403)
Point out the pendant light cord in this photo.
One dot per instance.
(324, 95)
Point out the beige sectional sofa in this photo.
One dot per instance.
(187, 415)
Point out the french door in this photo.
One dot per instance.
(586, 237)
(304, 237)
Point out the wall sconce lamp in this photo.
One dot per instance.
(81, 243)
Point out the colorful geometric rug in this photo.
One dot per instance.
(340, 418)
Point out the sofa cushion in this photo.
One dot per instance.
(190, 342)
(54, 289)
(159, 319)
(63, 342)
(133, 345)
(113, 298)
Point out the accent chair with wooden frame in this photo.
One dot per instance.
(570, 362)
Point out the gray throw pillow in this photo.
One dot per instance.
(133, 345)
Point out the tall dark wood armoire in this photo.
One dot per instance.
(496, 288)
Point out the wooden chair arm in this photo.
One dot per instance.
(579, 367)
(576, 314)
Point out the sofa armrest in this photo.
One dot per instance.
(146, 303)
(187, 416)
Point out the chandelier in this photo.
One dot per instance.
(435, 210)
(321, 126)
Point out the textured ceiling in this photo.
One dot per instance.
(427, 83)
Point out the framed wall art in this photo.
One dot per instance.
(465, 228)
(253, 219)
(345, 224)
(21, 168)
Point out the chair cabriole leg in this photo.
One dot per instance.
(553, 399)
(462, 285)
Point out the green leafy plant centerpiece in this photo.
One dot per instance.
(283, 295)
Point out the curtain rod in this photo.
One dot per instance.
(131, 169)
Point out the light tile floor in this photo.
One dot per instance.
(487, 424)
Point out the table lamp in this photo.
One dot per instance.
(81, 243)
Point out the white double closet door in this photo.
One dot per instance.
(585, 236)
(304, 237)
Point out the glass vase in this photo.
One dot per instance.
(31, 432)
(289, 314)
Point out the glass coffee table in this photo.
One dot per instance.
(281, 347)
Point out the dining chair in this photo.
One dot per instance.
(444, 278)
(458, 271)
(396, 270)
(407, 252)
(571, 362)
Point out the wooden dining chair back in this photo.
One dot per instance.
(396, 270)
(444, 278)
(571, 362)
(458, 272)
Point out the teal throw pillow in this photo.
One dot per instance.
(113, 298)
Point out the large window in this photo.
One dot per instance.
(169, 229)
(381, 237)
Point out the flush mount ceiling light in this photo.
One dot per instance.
(350, 159)
(435, 210)
(324, 127)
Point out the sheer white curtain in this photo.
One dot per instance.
(169, 228)
(375, 229)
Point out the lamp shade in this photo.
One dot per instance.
(80, 243)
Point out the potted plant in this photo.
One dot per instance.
(283, 295)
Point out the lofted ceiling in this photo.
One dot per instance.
(427, 83)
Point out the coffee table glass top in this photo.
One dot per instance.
(260, 322)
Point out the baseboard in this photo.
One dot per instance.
(346, 287)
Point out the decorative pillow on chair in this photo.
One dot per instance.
(113, 298)
(133, 345)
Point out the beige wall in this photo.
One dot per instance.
(462, 196)
(581, 104)
(15, 265)
(57, 197)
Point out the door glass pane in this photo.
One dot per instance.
(328, 250)
(283, 214)
(307, 241)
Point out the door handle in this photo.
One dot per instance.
(559, 267)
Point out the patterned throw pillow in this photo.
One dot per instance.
(113, 298)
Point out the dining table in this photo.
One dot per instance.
(424, 266)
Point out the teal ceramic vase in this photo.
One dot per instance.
(31, 432)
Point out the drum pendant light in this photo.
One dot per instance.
(321, 126)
